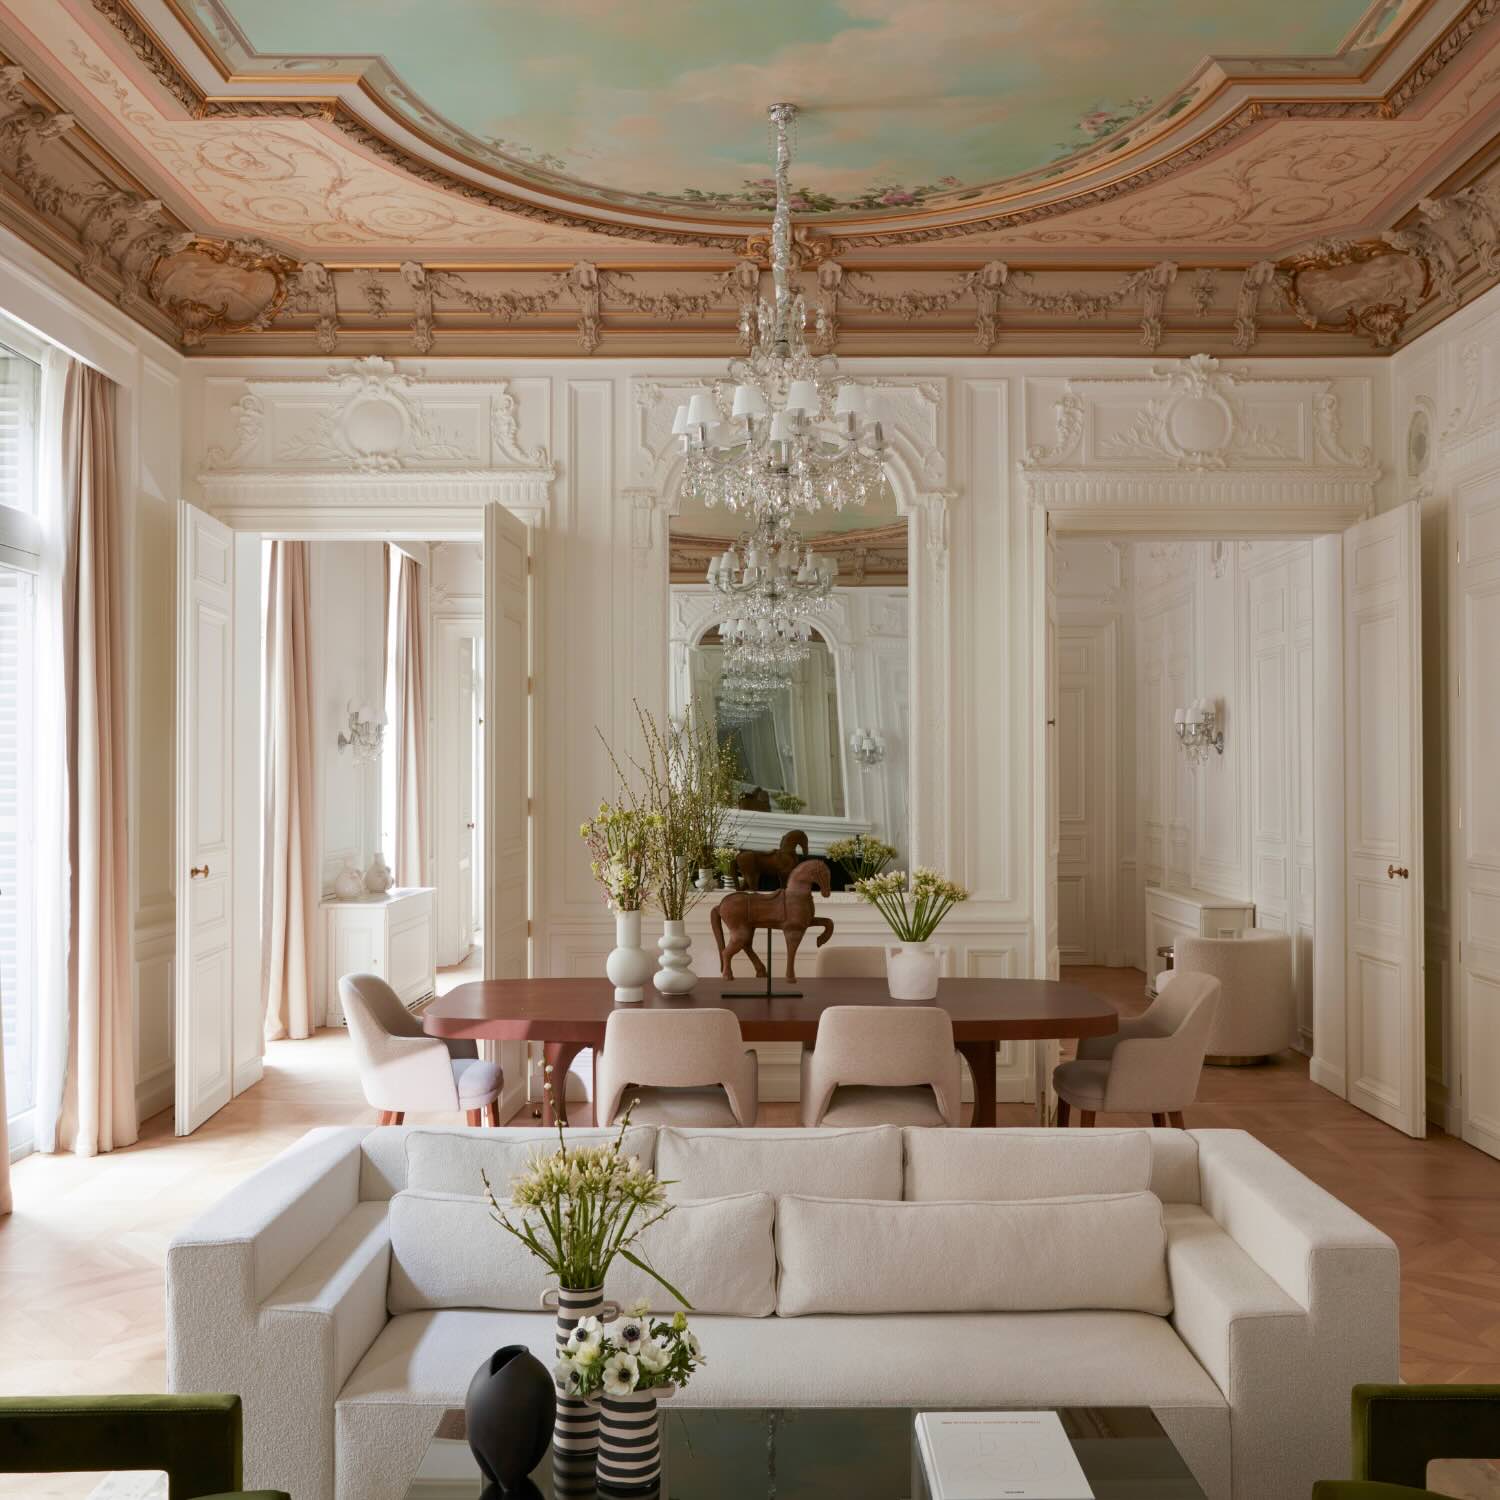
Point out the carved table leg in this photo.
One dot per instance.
(980, 1057)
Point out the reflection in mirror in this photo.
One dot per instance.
(822, 744)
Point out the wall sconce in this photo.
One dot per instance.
(868, 749)
(1197, 729)
(366, 730)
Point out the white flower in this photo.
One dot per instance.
(630, 1334)
(620, 1374)
(652, 1356)
(585, 1335)
(639, 1308)
(693, 1347)
(568, 1376)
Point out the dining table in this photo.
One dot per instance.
(567, 1015)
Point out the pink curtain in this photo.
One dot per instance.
(409, 669)
(291, 848)
(96, 1111)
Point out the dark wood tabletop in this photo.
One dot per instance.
(567, 1015)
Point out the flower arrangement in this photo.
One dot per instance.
(862, 856)
(618, 836)
(641, 1353)
(789, 802)
(724, 858)
(913, 915)
(578, 1208)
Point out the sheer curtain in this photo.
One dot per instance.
(291, 850)
(409, 686)
(86, 1052)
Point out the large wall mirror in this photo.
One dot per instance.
(825, 750)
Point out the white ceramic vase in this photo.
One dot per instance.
(675, 975)
(705, 880)
(349, 884)
(378, 878)
(628, 966)
(911, 970)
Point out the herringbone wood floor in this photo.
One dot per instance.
(81, 1258)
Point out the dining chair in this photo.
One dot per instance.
(854, 962)
(1257, 1002)
(675, 1067)
(882, 1065)
(1151, 1064)
(401, 1068)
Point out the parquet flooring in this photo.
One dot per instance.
(81, 1258)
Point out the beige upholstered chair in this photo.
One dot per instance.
(1257, 1006)
(1151, 1064)
(849, 963)
(882, 1065)
(685, 1067)
(401, 1068)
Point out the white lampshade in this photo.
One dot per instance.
(680, 421)
(748, 402)
(1180, 717)
(702, 410)
(802, 395)
(781, 427)
(851, 401)
(364, 713)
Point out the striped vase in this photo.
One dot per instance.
(576, 1434)
(630, 1441)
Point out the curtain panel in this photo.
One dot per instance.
(409, 675)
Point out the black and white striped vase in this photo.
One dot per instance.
(575, 1437)
(630, 1441)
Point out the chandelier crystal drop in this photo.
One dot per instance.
(783, 433)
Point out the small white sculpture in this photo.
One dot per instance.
(349, 884)
(378, 878)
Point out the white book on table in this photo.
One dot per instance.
(999, 1455)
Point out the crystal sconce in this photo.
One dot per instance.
(1197, 729)
(868, 749)
(366, 730)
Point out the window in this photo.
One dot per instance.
(20, 544)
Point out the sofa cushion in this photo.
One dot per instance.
(862, 1163)
(1002, 1166)
(447, 1251)
(1048, 1254)
(444, 1161)
(422, 1363)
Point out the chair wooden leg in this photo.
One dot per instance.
(383, 1117)
(492, 1112)
(398, 1117)
(1086, 1118)
(1159, 1120)
(474, 1116)
(1063, 1110)
(1175, 1116)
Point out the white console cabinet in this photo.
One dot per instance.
(1171, 914)
(390, 935)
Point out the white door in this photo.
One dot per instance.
(204, 971)
(454, 786)
(507, 740)
(1477, 898)
(465, 828)
(1383, 819)
(1084, 749)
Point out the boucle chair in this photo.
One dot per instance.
(1151, 1064)
(1257, 1008)
(849, 963)
(679, 1067)
(882, 1065)
(402, 1068)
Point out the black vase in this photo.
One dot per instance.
(510, 1409)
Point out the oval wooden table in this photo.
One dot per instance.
(567, 1015)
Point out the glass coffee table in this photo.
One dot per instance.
(817, 1453)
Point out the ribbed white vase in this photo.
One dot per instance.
(675, 975)
(628, 966)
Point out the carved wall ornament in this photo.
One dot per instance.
(1361, 286)
(220, 286)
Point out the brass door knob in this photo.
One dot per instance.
(1392, 871)
(194, 872)
(468, 825)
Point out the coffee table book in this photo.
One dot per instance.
(998, 1455)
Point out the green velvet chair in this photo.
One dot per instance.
(195, 1439)
(1399, 1428)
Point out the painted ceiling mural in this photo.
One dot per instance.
(933, 103)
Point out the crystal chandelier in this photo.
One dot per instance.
(793, 436)
(773, 563)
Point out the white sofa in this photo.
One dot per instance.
(348, 1290)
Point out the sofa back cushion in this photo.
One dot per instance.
(447, 1251)
(816, 1163)
(1003, 1166)
(1047, 1255)
(450, 1161)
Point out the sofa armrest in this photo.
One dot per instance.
(1310, 1306)
(1399, 1429)
(275, 1294)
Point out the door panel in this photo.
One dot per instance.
(204, 972)
(1084, 906)
(1383, 813)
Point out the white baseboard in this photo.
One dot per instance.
(1442, 1109)
(154, 1093)
(1326, 1076)
(247, 1073)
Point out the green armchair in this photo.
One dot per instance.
(195, 1439)
(1399, 1428)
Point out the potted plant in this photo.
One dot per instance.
(789, 802)
(913, 914)
(626, 1371)
(617, 837)
(862, 856)
(576, 1209)
(724, 858)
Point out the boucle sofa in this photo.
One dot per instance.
(348, 1290)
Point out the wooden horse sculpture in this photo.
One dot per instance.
(744, 913)
(751, 864)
